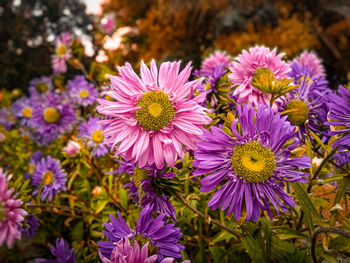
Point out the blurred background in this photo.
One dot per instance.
(169, 30)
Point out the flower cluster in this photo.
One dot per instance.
(123, 167)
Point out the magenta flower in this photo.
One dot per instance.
(11, 215)
(62, 53)
(125, 253)
(312, 61)
(214, 60)
(155, 117)
(246, 64)
(108, 24)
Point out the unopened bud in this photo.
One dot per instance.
(97, 190)
(72, 149)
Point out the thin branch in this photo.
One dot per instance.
(325, 230)
(207, 218)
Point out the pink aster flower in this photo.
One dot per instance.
(125, 253)
(155, 117)
(11, 215)
(62, 53)
(312, 61)
(215, 59)
(246, 64)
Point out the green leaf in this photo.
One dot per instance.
(123, 195)
(253, 249)
(340, 243)
(78, 232)
(223, 236)
(287, 233)
(306, 204)
(100, 205)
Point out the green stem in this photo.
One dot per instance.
(207, 218)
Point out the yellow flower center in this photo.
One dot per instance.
(297, 112)
(61, 50)
(41, 87)
(156, 111)
(48, 177)
(253, 162)
(109, 98)
(27, 112)
(51, 115)
(153, 250)
(97, 136)
(31, 168)
(139, 175)
(84, 93)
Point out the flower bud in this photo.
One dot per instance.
(72, 149)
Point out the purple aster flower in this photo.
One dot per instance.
(51, 175)
(125, 253)
(39, 86)
(81, 91)
(302, 111)
(342, 158)
(144, 187)
(92, 131)
(319, 84)
(6, 119)
(52, 117)
(11, 215)
(22, 110)
(339, 107)
(161, 237)
(62, 252)
(253, 165)
(31, 226)
(33, 162)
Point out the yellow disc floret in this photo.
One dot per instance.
(27, 112)
(297, 112)
(156, 111)
(48, 177)
(97, 136)
(41, 87)
(84, 93)
(61, 50)
(139, 175)
(253, 162)
(51, 115)
(153, 250)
